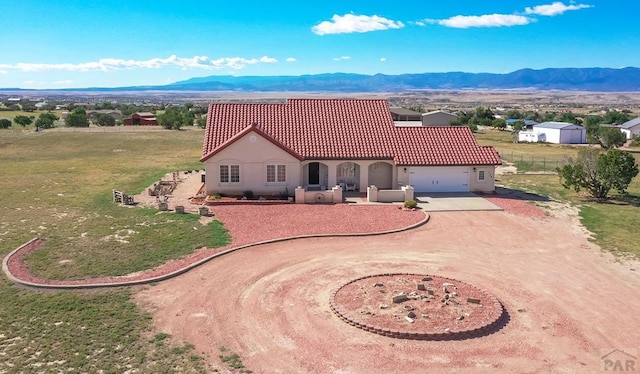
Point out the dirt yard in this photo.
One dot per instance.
(568, 303)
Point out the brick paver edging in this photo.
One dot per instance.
(37, 242)
(484, 329)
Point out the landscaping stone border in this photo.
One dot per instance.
(474, 332)
(36, 243)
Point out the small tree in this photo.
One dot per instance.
(609, 137)
(517, 126)
(77, 118)
(175, 118)
(46, 120)
(23, 120)
(5, 123)
(201, 121)
(613, 116)
(598, 172)
(103, 119)
(499, 124)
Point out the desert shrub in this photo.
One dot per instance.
(410, 204)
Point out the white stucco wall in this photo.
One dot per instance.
(253, 153)
(478, 185)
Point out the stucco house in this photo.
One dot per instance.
(555, 132)
(631, 128)
(321, 143)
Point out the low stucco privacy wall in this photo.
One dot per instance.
(390, 196)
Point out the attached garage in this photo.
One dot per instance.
(439, 178)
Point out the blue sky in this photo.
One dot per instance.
(111, 43)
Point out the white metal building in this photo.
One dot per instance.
(631, 128)
(555, 132)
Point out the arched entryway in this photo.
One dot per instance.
(316, 174)
(381, 175)
(348, 175)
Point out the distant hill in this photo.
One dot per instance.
(566, 79)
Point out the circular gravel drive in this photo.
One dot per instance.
(567, 302)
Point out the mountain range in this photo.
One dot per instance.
(565, 79)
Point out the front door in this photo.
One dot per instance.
(314, 173)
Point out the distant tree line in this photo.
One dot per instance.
(169, 116)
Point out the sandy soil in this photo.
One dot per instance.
(568, 302)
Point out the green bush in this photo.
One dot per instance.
(410, 204)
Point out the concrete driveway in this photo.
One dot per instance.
(437, 202)
(453, 201)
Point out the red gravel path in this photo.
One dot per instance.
(517, 206)
(248, 224)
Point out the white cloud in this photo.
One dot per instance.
(291, 59)
(554, 9)
(268, 60)
(383, 59)
(487, 20)
(113, 64)
(342, 58)
(350, 23)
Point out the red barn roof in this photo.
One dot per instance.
(317, 129)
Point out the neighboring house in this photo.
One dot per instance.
(438, 118)
(555, 132)
(631, 128)
(402, 114)
(115, 113)
(321, 143)
(141, 119)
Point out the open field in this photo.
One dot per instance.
(58, 186)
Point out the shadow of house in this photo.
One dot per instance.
(509, 193)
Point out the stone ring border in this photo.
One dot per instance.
(476, 332)
(37, 242)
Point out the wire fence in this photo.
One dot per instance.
(107, 129)
(532, 163)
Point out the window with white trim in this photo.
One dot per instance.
(480, 175)
(276, 173)
(229, 173)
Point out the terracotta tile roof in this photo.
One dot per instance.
(317, 129)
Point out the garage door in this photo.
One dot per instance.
(440, 179)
